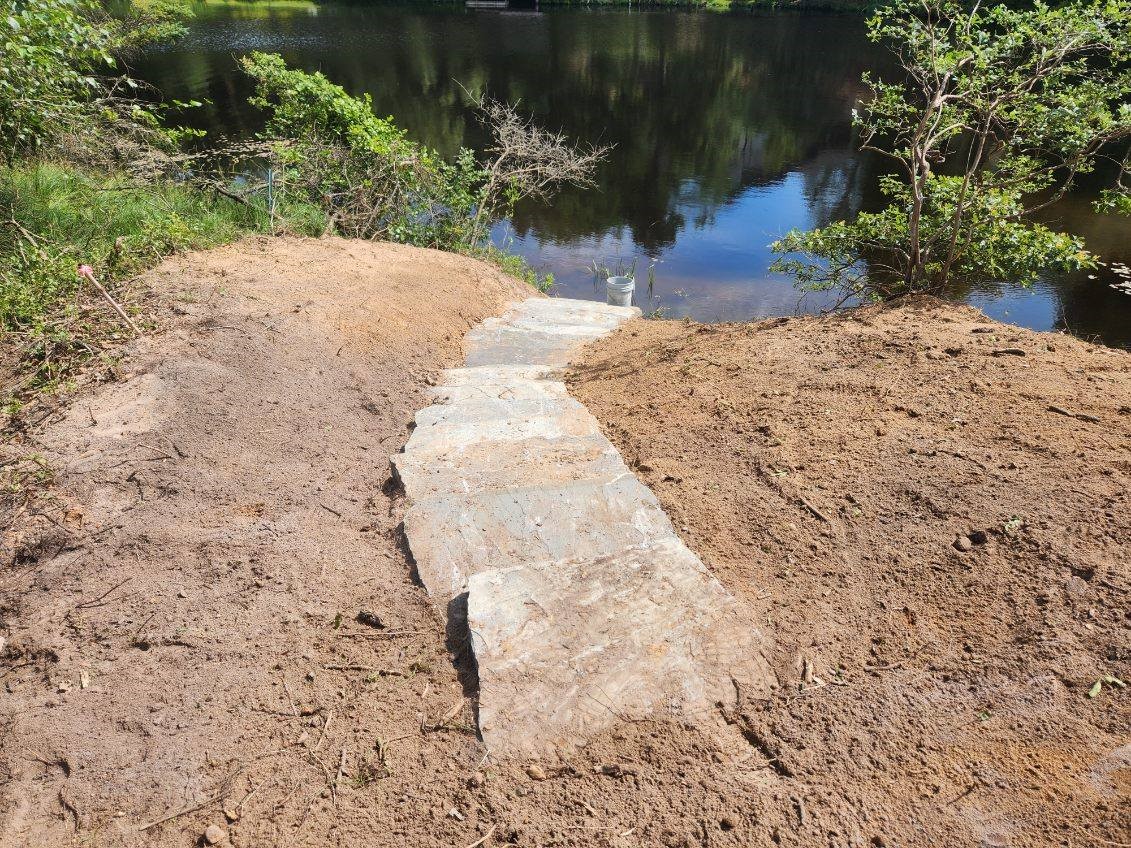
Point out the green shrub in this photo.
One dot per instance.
(1000, 110)
(372, 180)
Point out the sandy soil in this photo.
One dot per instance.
(931, 515)
(210, 621)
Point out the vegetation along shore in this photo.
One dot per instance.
(242, 245)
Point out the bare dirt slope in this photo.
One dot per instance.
(180, 606)
(209, 619)
(931, 514)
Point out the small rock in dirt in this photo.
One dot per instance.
(963, 543)
(979, 537)
(536, 772)
(231, 814)
(727, 823)
(1076, 586)
(618, 770)
(477, 780)
(370, 619)
(214, 834)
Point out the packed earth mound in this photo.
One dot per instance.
(930, 513)
(212, 631)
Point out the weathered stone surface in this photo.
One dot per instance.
(442, 437)
(487, 466)
(518, 346)
(455, 536)
(513, 389)
(564, 308)
(567, 648)
(584, 607)
(470, 409)
(492, 374)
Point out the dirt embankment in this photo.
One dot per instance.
(930, 514)
(210, 626)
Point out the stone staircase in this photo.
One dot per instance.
(583, 606)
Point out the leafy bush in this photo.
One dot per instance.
(1000, 111)
(376, 183)
(373, 181)
(50, 54)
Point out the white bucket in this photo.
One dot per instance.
(618, 291)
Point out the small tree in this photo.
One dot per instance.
(1000, 111)
(375, 182)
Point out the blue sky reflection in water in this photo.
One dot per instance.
(729, 129)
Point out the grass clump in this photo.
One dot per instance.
(56, 216)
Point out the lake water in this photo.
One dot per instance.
(729, 129)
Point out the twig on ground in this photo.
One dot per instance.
(95, 601)
(484, 837)
(899, 663)
(384, 672)
(814, 510)
(290, 698)
(87, 273)
(1079, 416)
(225, 788)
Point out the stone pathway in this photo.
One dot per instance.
(584, 607)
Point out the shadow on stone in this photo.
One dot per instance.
(458, 639)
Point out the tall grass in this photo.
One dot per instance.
(54, 217)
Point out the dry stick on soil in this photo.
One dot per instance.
(85, 272)
(814, 510)
(484, 837)
(225, 788)
(899, 663)
(94, 601)
(1081, 416)
(384, 672)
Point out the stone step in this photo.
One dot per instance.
(439, 438)
(499, 389)
(553, 325)
(488, 410)
(483, 466)
(567, 648)
(454, 536)
(573, 306)
(506, 345)
(490, 375)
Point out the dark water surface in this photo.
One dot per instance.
(729, 130)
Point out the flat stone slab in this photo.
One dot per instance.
(493, 374)
(568, 648)
(499, 388)
(565, 308)
(469, 408)
(491, 466)
(453, 537)
(442, 437)
(584, 608)
(506, 345)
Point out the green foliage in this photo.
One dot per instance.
(1000, 111)
(516, 266)
(868, 258)
(58, 70)
(67, 217)
(373, 181)
(50, 54)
